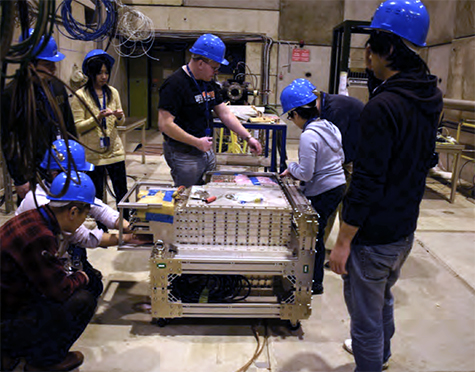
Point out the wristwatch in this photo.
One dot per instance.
(248, 137)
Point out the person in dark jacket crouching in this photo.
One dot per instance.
(398, 132)
(45, 307)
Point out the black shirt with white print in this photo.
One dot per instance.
(184, 98)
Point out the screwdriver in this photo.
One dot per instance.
(206, 200)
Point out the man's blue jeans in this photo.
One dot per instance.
(372, 271)
(188, 169)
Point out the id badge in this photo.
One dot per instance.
(208, 132)
(105, 142)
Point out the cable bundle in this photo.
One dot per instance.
(134, 34)
(211, 288)
(30, 125)
(105, 15)
(134, 25)
(23, 52)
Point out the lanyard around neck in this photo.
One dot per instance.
(104, 106)
(207, 113)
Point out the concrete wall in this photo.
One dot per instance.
(310, 21)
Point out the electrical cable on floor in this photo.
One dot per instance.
(446, 265)
(259, 347)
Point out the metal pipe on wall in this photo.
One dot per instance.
(459, 104)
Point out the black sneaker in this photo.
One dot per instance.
(317, 289)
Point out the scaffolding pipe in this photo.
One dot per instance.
(459, 104)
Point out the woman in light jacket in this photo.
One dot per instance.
(104, 102)
(320, 162)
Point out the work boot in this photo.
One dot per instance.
(8, 363)
(73, 360)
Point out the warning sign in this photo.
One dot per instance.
(300, 55)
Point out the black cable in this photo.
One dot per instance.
(220, 288)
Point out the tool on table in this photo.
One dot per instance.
(203, 196)
(178, 192)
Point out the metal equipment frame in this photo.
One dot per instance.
(341, 43)
(276, 129)
(263, 265)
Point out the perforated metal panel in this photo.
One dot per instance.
(230, 221)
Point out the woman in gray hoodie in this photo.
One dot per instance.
(320, 162)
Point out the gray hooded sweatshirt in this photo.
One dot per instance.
(320, 158)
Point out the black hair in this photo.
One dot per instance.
(396, 52)
(308, 111)
(94, 66)
(81, 206)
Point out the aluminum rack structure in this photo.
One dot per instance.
(242, 245)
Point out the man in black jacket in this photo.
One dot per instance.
(398, 131)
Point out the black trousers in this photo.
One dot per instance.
(79, 262)
(44, 330)
(325, 204)
(118, 177)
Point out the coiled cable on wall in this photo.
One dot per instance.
(104, 26)
(134, 34)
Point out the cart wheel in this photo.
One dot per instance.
(293, 326)
(162, 322)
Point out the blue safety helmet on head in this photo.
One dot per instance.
(58, 155)
(296, 94)
(50, 51)
(84, 192)
(210, 46)
(96, 53)
(408, 19)
(305, 82)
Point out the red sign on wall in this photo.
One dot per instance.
(300, 55)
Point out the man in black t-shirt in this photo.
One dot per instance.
(187, 98)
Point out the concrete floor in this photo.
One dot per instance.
(435, 307)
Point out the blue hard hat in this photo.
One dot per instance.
(96, 53)
(408, 19)
(58, 155)
(84, 192)
(296, 94)
(306, 83)
(210, 46)
(50, 51)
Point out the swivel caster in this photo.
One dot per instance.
(161, 322)
(294, 326)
